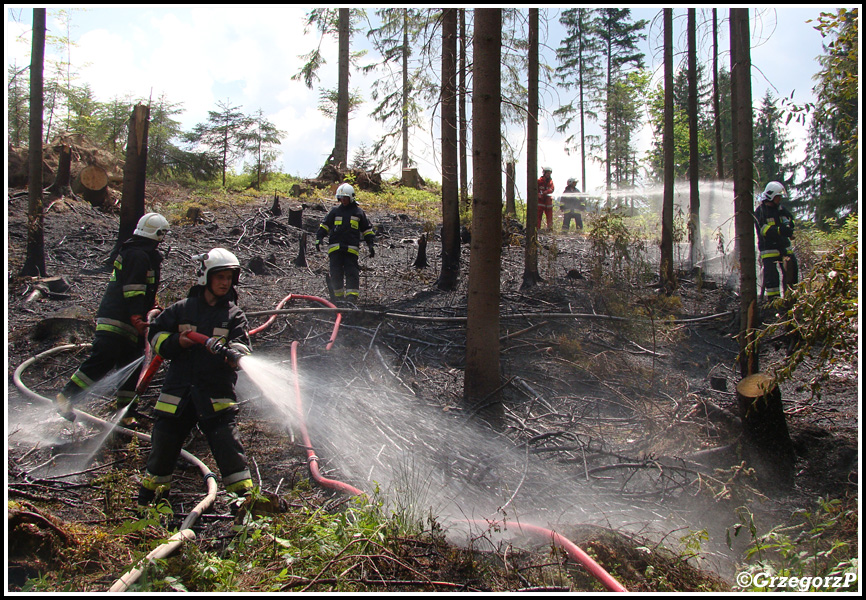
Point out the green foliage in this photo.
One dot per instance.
(810, 551)
(617, 250)
(820, 318)
(425, 203)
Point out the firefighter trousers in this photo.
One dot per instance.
(109, 351)
(168, 437)
(345, 275)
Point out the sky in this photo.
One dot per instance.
(199, 55)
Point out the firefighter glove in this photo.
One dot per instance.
(139, 324)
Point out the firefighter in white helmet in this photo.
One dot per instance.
(346, 226)
(199, 387)
(775, 226)
(121, 320)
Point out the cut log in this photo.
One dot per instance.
(92, 185)
(768, 445)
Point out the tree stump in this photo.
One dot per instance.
(421, 259)
(92, 185)
(275, 207)
(296, 216)
(768, 445)
(62, 185)
(301, 260)
(411, 179)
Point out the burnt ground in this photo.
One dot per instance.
(613, 410)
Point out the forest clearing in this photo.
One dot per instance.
(606, 438)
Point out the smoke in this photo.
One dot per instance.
(425, 460)
(716, 218)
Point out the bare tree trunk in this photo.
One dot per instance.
(510, 174)
(341, 136)
(666, 266)
(482, 376)
(464, 176)
(450, 193)
(695, 246)
(530, 262)
(720, 158)
(34, 261)
(405, 50)
(134, 176)
(741, 106)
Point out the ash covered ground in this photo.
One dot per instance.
(600, 416)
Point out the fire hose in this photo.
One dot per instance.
(186, 533)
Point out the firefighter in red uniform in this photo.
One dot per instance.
(545, 197)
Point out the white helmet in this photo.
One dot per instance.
(152, 226)
(218, 259)
(571, 181)
(347, 191)
(546, 170)
(773, 189)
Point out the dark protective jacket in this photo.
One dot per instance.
(195, 374)
(346, 227)
(775, 227)
(570, 200)
(132, 287)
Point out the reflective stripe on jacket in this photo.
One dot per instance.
(346, 227)
(132, 287)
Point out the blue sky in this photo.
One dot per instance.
(201, 54)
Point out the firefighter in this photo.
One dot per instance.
(347, 226)
(570, 204)
(775, 227)
(121, 325)
(199, 387)
(545, 197)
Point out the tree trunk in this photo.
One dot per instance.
(450, 192)
(405, 102)
(741, 106)
(720, 159)
(34, 261)
(92, 185)
(510, 175)
(134, 176)
(768, 445)
(482, 376)
(461, 83)
(666, 266)
(695, 246)
(530, 261)
(341, 136)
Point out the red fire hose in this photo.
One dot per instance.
(570, 548)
